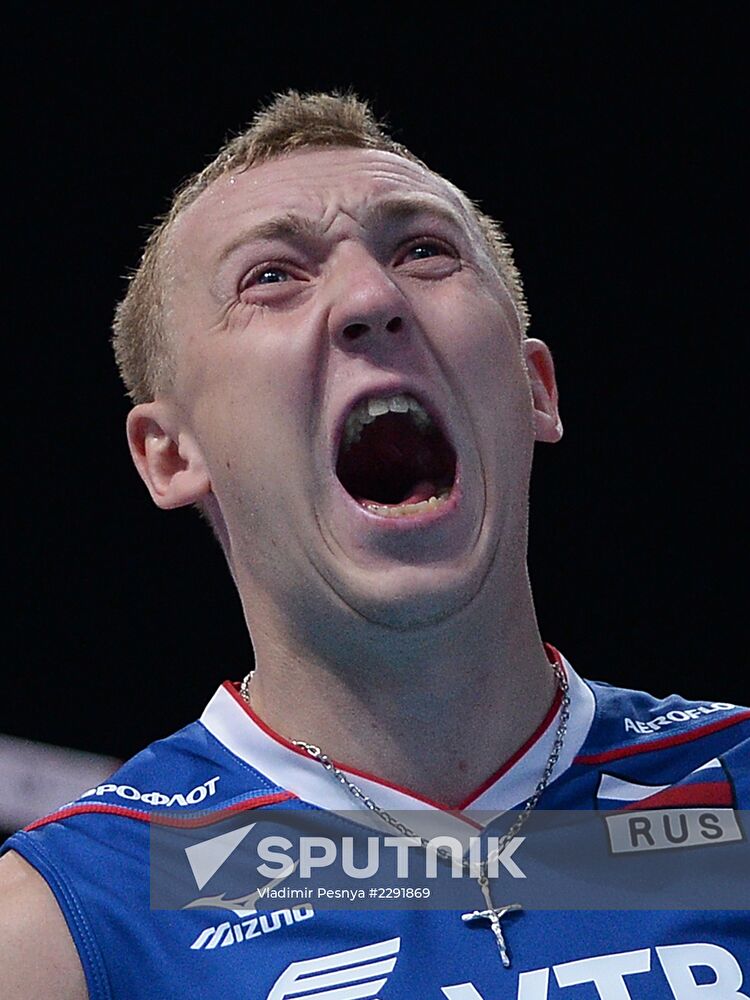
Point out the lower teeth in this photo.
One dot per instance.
(407, 509)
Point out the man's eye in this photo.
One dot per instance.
(425, 249)
(269, 276)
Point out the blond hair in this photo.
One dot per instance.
(291, 122)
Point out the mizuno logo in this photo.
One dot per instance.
(346, 975)
(254, 926)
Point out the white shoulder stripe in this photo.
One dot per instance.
(611, 787)
(715, 762)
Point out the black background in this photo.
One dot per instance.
(605, 136)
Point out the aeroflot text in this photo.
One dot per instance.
(676, 715)
(130, 794)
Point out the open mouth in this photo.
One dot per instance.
(394, 459)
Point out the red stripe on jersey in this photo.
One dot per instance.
(554, 658)
(161, 819)
(233, 688)
(536, 735)
(701, 793)
(663, 743)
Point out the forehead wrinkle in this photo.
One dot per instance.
(292, 224)
(293, 227)
(374, 208)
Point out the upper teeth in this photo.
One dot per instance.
(366, 411)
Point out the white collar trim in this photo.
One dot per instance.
(229, 721)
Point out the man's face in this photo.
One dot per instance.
(308, 295)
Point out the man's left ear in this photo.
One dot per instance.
(541, 372)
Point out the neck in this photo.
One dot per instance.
(435, 710)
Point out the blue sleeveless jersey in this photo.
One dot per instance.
(622, 748)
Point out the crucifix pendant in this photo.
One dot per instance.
(494, 914)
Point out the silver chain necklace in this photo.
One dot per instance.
(493, 914)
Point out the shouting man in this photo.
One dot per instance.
(326, 346)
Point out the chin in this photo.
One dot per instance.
(409, 597)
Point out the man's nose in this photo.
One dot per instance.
(367, 301)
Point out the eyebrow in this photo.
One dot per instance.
(294, 228)
(397, 208)
(290, 228)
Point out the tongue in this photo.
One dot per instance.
(422, 491)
